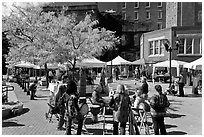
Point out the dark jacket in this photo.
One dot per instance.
(144, 88)
(158, 104)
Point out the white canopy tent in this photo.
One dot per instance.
(92, 62)
(24, 64)
(174, 63)
(141, 61)
(118, 61)
(197, 64)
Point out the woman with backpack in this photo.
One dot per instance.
(158, 104)
(120, 103)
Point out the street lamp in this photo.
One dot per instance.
(169, 49)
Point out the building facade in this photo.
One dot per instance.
(144, 16)
(183, 14)
(190, 48)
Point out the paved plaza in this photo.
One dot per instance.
(187, 112)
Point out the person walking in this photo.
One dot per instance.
(33, 89)
(117, 73)
(50, 76)
(102, 80)
(181, 85)
(159, 103)
(120, 103)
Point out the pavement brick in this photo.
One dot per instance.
(32, 121)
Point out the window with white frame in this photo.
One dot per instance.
(160, 14)
(124, 5)
(151, 48)
(190, 46)
(136, 4)
(147, 14)
(161, 47)
(189, 42)
(181, 46)
(197, 46)
(159, 4)
(156, 47)
(136, 15)
(147, 5)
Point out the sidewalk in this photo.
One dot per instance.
(32, 120)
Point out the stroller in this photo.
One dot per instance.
(53, 110)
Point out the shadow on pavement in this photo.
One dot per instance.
(172, 115)
(176, 133)
(170, 126)
(25, 110)
(11, 124)
(193, 95)
(95, 131)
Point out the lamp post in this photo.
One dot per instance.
(169, 49)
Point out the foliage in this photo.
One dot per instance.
(45, 37)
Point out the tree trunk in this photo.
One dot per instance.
(46, 74)
(82, 90)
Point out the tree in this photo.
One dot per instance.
(26, 31)
(45, 37)
(75, 40)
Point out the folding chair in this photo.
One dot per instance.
(107, 114)
(141, 117)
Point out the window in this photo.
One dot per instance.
(161, 46)
(156, 49)
(197, 46)
(124, 5)
(147, 14)
(159, 14)
(190, 46)
(136, 4)
(124, 15)
(159, 25)
(159, 4)
(147, 4)
(136, 15)
(151, 48)
(181, 46)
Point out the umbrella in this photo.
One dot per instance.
(197, 64)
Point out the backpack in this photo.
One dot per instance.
(159, 103)
(71, 108)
